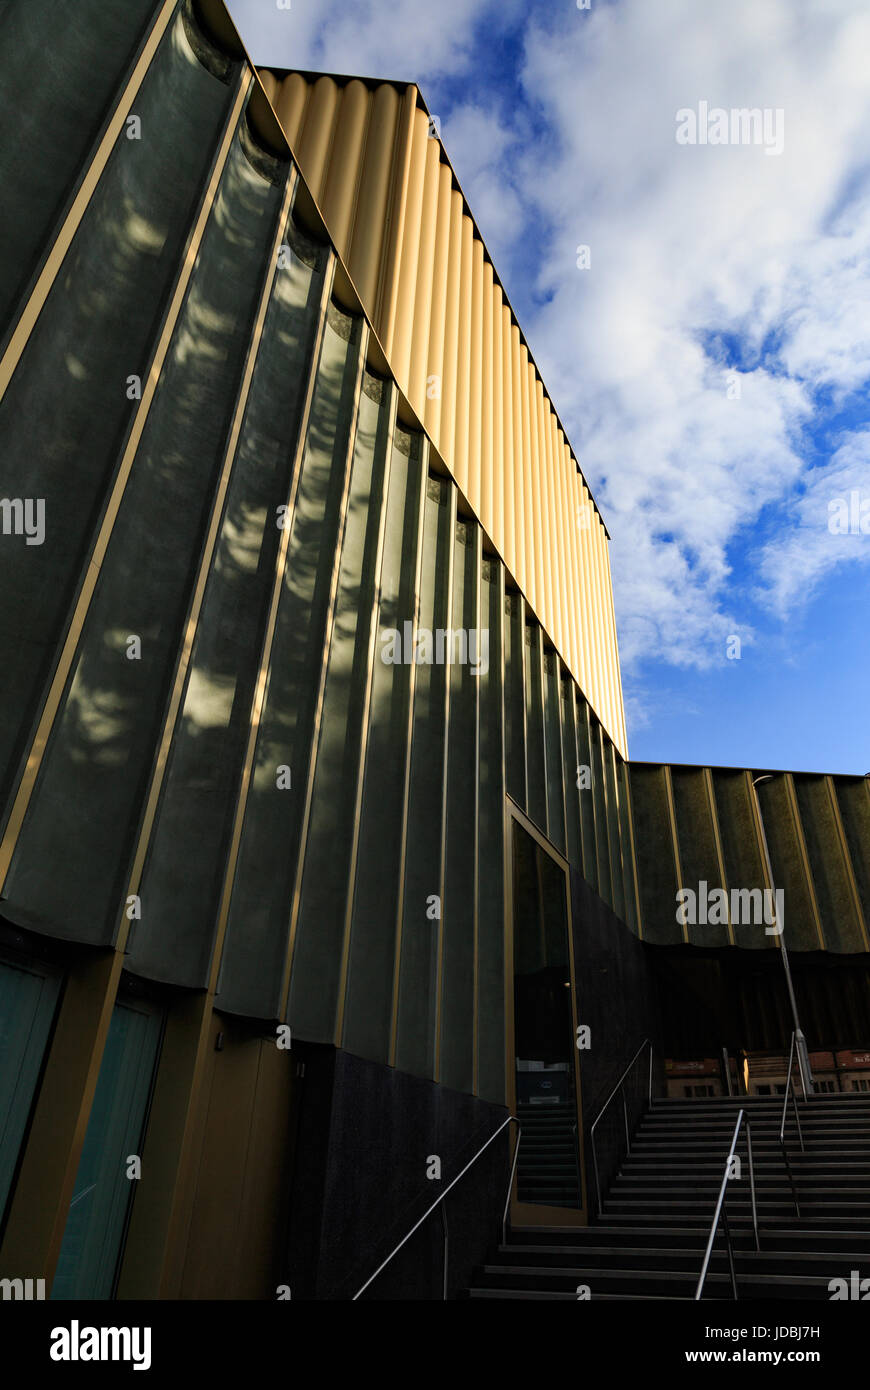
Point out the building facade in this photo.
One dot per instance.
(320, 847)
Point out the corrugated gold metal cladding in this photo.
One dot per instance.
(290, 102)
(400, 354)
(533, 515)
(475, 379)
(392, 234)
(365, 256)
(520, 566)
(557, 467)
(588, 615)
(463, 354)
(449, 358)
(425, 282)
(487, 455)
(436, 357)
(501, 468)
(316, 132)
(339, 186)
(390, 201)
(569, 511)
(510, 451)
(619, 733)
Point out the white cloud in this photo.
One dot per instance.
(692, 247)
(689, 243)
(403, 39)
(828, 526)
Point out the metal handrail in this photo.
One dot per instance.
(511, 1119)
(790, 1091)
(720, 1211)
(646, 1043)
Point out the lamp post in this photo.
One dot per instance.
(800, 1041)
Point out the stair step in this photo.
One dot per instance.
(649, 1240)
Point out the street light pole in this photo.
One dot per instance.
(800, 1041)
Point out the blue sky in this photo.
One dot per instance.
(712, 364)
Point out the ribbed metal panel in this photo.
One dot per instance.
(705, 822)
(391, 203)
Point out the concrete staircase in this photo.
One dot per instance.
(547, 1168)
(649, 1242)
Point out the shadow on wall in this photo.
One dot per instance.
(367, 1135)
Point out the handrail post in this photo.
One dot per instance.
(787, 1083)
(790, 1091)
(444, 1228)
(511, 1120)
(507, 1203)
(650, 1072)
(752, 1185)
(597, 1181)
(617, 1090)
(797, 1118)
(730, 1250)
(718, 1212)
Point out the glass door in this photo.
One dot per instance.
(543, 1060)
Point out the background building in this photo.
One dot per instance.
(268, 423)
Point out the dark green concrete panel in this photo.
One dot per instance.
(372, 951)
(853, 799)
(66, 412)
(789, 873)
(490, 898)
(622, 791)
(698, 858)
(573, 837)
(615, 849)
(536, 768)
(260, 910)
(104, 739)
(332, 827)
(421, 928)
(588, 833)
(514, 699)
(840, 926)
(184, 871)
(56, 97)
(553, 752)
(599, 799)
(741, 849)
(656, 872)
(459, 907)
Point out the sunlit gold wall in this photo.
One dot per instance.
(399, 221)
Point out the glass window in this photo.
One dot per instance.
(28, 998)
(103, 1193)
